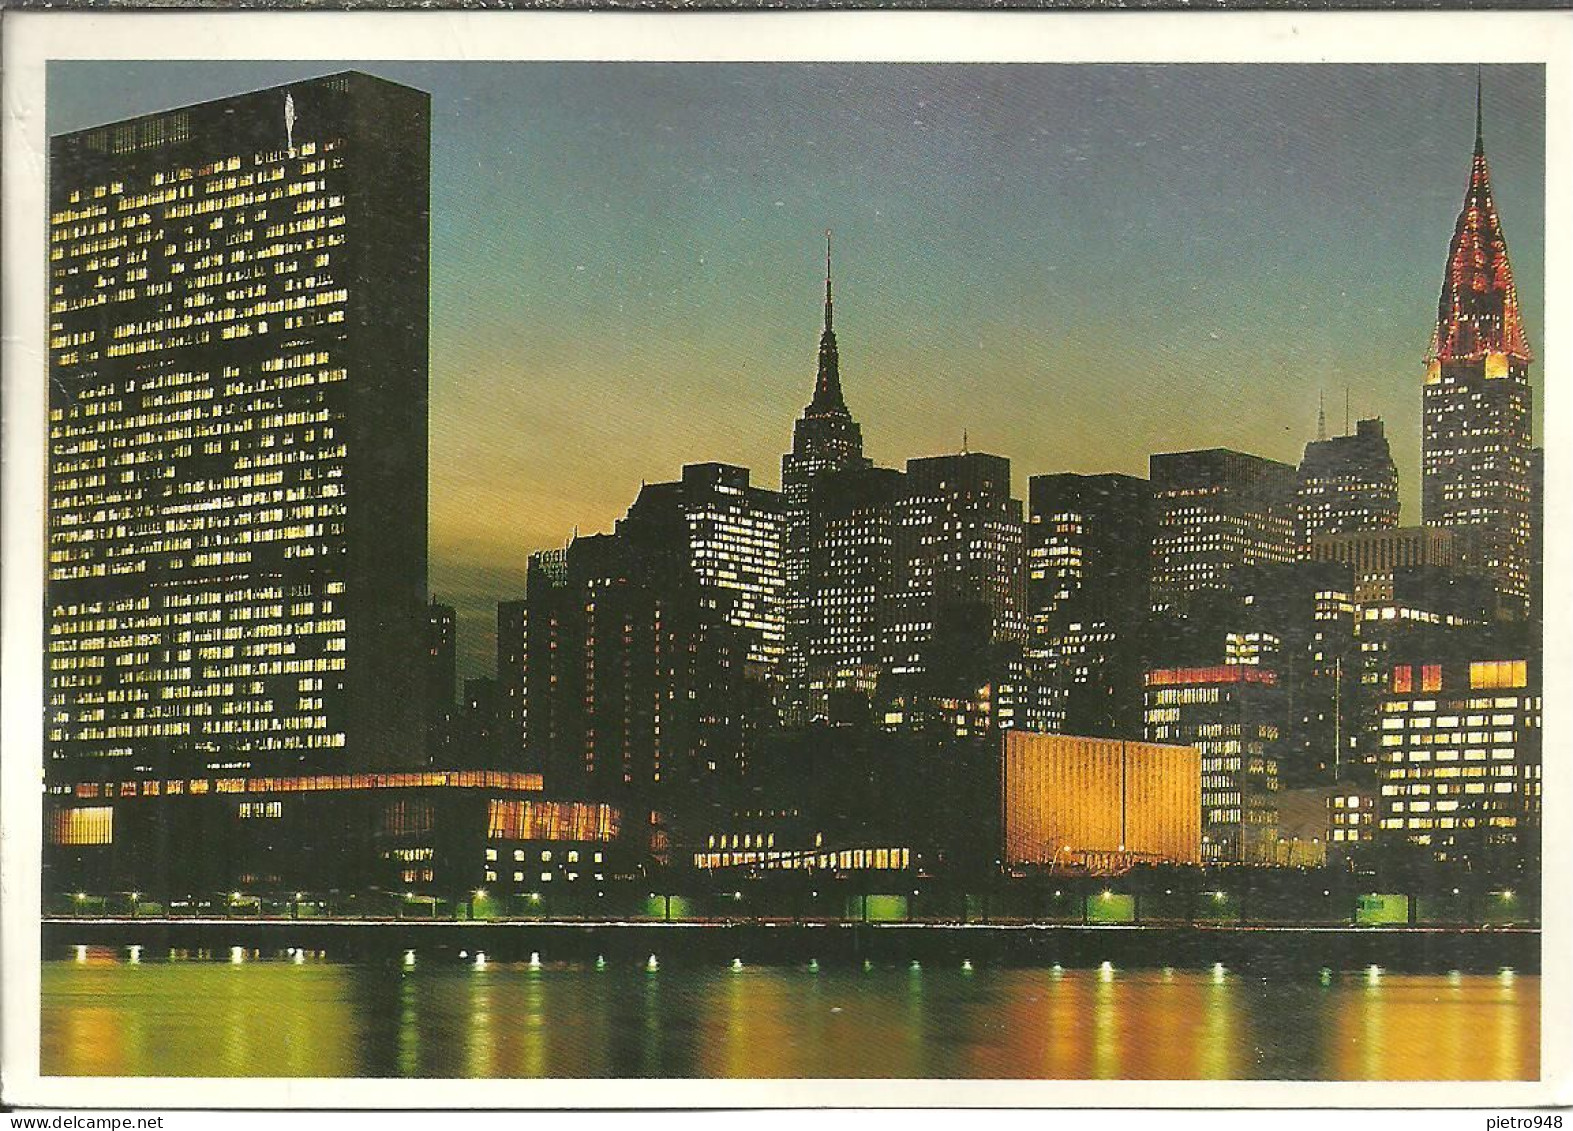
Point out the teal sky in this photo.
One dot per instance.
(1079, 264)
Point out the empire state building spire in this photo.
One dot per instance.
(1478, 312)
(825, 440)
(827, 387)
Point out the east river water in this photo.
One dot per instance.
(245, 1014)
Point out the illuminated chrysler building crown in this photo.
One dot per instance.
(1478, 313)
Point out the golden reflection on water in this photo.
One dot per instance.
(1422, 1027)
(445, 1018)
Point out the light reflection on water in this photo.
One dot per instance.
(103, 1015)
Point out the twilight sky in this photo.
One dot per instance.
(1080, 264)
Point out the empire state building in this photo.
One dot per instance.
(1477, 401)
(826, 438)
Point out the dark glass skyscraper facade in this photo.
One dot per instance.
(960, 582)
(238, 394)
(1216, 510)
(1347, 484)
(1089, 591)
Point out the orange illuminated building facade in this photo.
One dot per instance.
(1069, 801)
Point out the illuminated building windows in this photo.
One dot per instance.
(185, 462)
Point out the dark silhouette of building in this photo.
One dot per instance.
(1477, 398)
(1089, 593)
(825, 439)
(442, 678)
(1216, 510)
(238, 442)
(518, 689)
(651, 655)
(1300, 620)
(513, 627)
(957, 626)
(477, 737)
(1346, 484)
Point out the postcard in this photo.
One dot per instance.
(835, 559)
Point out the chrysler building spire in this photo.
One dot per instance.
(1478, 399)
(1478, 312)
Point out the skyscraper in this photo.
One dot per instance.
(238, 392)
(513, 630)
(728, 534)
(852, 561)
(1346, 484)
(651, 653)
(826, 438)
(1216, 510)
(442, 677)
(958, 600)
(1232, 714)
(1089, 591)
(1476, 408)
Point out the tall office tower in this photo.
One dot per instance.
(959, 591)
(1475, 443)
(851, 562)
(519, 689)
(1088, 594)
(825, 438)
(1216, 510)
(475, 727)
(545, 667)
(1232, 714)
(731, 535)
(1537, 535)
(238, 389)
(1347, 484)
(441, 677)
(1300, 621)
(513, 628)
(652, 663)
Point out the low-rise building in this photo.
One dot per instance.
(1069, 801)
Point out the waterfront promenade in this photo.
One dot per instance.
(791, 941)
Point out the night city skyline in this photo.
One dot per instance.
(732, 570)
(1247, 237)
